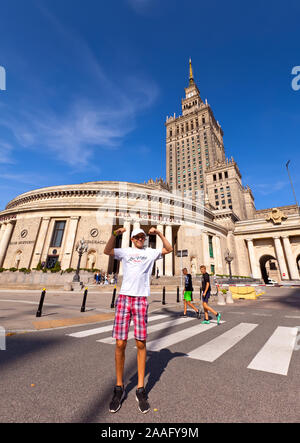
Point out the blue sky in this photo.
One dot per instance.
(90, 83)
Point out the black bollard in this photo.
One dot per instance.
(84, 300)
(40, 308)
(164, 296)
(113, 298)
(177, 294)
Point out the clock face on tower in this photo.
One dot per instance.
(190, 94)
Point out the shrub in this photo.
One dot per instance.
(25, 270)
(39, 266)
(13, 269)
(2, 269)
(56, 268)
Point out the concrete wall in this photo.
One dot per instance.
(42, 279)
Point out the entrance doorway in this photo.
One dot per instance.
(269, 268)
(51, 260)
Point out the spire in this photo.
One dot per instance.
(191, 73)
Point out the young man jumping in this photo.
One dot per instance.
(206, 295)
(132, 303)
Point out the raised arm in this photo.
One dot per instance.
(167, 248)
(109, 247)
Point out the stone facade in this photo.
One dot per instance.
(93, 210)
(202, 207)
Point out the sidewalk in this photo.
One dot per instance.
(18, 307)
(62, 309)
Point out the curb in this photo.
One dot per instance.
(58, 323)
(239, 285)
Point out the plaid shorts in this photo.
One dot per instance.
(127, 307)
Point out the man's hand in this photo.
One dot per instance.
(109, 248)
(167, 248)
(119, 231)
(153, 231)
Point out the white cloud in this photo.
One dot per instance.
(269, 188)
(6, 153)
(140, 6)
(99, 121)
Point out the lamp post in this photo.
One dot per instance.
(287, 168)
(228, 259)
(81, 248)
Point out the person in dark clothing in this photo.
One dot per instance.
(187, 293)
(205, 297)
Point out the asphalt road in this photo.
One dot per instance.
(50, 376)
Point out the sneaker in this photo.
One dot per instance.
(116, 402)
(205, 322)
(141, 398)
(198, 314)
(218, 318)
(183, 315)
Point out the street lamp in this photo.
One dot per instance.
(228, 259)
(81, 248)
(287, 168)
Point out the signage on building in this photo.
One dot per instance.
(183, 253)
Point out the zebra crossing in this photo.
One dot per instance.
(274, 356)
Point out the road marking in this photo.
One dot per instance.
(235, 312)
(30, 302)
(108, 328)
(261, 315)
(179, 321)
(177, 337)
(218, 346)
(276, 354)
(292, 316)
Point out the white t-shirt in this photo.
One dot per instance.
(137, 268)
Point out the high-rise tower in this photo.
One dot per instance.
(194, 142)
(196, 162)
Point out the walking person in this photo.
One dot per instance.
(132, 303)
(206, 290)
(187, 293)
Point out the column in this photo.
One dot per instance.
(126, 235)
(5, 241)
(281, 260)
(125, 242)
(254, 267)
(169, 257)
(136, 225)
(218, 255)
(37, 255)
(290, 258)
(159, 245)
(2, 229)
(69, 242)
(205, 246)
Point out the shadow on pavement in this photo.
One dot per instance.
(24, 346)
(155, 367)
(288, 300)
